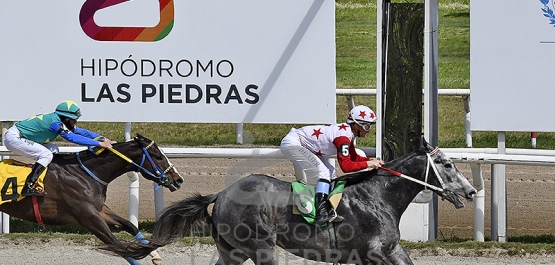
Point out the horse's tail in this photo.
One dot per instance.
(180, 218)
(174, 222)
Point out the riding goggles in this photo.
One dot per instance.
(366, 127)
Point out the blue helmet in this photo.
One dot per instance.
(68, 109)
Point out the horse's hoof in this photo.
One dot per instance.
(157, 261)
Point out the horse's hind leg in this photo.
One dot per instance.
(232, 256)
(90, 218)
(228, 254)
(400, 256)
(377, 257)
(115, 220)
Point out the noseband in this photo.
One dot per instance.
(158, 174)
(425, 182)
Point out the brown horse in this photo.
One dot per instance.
(77, 184)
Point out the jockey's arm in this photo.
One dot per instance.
(68, 135)
(344, 160)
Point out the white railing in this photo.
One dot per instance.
(473, 156)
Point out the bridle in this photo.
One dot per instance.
(158, 175)
(425, 183)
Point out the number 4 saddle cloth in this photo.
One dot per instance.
(303, 199)
(12, 178)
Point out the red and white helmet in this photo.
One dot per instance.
(362, 115)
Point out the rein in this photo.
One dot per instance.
(159, 174)
(425, 182)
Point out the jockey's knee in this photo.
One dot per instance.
(52, 147)
(45, 158)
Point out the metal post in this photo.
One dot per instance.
(158, 200)
(479, 202)
(431, 18)
(499, 195)
(4, 217)
(133, 197)
(5, 223)
(127, 131)
(239, 133)
(467, 131)
(350, 102)
(133, 183)
(380, 73)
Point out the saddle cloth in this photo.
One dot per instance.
(12, 179)
(303, 199)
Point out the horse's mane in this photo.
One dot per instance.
(359, 176)
(89, 152)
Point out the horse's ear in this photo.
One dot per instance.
(139, 138)
(424, 145)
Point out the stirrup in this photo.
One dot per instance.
(333, 217)
(323, 221)
(336, 218)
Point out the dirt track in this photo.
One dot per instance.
(57, 251)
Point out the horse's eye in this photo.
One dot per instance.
(448, 165)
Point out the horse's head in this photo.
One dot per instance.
(454, 185)
(158, 167)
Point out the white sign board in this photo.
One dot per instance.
(512, 50)
(170, 61)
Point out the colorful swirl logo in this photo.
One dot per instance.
(145, 34)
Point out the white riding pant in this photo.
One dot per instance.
(314, 166)
(41, 153)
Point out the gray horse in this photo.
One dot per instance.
(254, 216)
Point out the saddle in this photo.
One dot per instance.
(303, 199)
(12, 179)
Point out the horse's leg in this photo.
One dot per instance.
(115, 220)
(228, 254)
(260, 247)
(399, 256)
(92, 220)
(265, 256)
(376, 257)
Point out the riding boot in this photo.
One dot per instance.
(324, 211)
(29, 188)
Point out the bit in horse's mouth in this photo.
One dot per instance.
(453, 198)
(470, 196)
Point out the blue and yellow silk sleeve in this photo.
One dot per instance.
(78, 139)
(86, 133)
